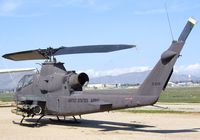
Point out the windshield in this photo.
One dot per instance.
(25, 81)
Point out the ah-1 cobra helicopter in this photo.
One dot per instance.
(57, 91)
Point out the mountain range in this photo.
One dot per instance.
(9, 81)
(138, 78)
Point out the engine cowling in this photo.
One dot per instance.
(76, 81)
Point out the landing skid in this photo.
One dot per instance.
(39, 120)
(23, 117)
(64, 119)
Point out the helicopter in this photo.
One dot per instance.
(59, 92)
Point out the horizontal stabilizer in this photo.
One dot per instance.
(103, 106)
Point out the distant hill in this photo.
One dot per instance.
(9, 81)
(138, 78)
(128, 78)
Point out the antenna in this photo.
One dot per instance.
(168, 19)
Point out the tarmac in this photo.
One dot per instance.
(103, 126)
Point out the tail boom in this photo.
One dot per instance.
(158, 78)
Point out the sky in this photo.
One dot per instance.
(33, 24)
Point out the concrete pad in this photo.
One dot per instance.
(102, 126)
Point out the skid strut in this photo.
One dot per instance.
(23, 117)
(39, 120)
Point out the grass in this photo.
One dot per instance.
(151, 111)
(6, 97)
(181, 95)
(172, 95)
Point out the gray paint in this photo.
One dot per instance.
(52, 88)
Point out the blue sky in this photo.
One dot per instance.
(34, 24)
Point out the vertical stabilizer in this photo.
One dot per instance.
(161, 73)
(188, 28)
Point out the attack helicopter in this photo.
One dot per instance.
(59, 92)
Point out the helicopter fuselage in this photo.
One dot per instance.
(59, 92)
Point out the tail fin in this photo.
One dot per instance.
(161, 73)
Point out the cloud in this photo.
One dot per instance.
(150, 12)
(174, 7)
(96, 5)
(15, 7)
(9, 6)
(114, 72)
(193, 69)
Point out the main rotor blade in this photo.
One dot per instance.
(25, 55)
(49, 52)
(16, 70)
(92, 49)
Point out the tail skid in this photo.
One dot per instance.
(161, 73)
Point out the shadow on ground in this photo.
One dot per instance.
(106, 126)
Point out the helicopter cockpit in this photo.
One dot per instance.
(25, 81)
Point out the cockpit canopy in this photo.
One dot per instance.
(25, 81)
